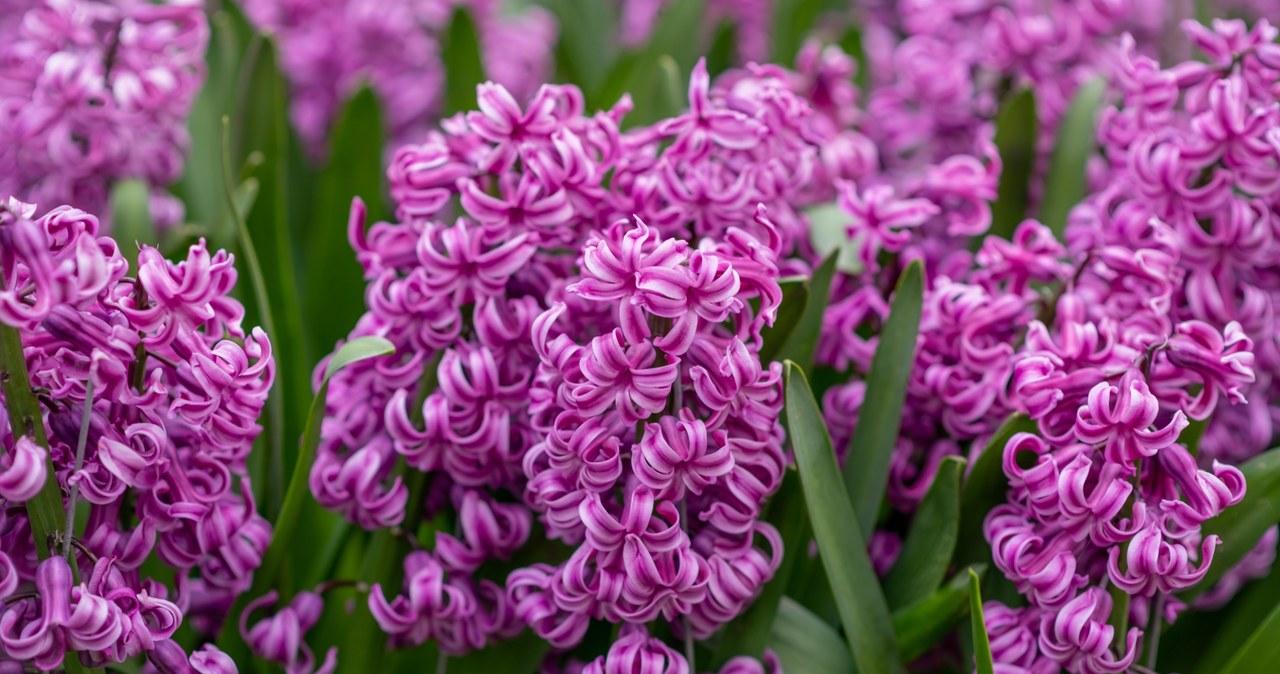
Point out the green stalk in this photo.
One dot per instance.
(44, 510)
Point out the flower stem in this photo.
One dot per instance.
(1153, 647)
(44, 510)
(70, 529)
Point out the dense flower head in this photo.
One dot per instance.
(394, 48)
(95, 91)
(149, 391)
(578, 312)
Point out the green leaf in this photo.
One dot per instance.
(795, 293)
(924, 624)
(335, 280)
(354, 351)
(1065, 182)
(803, 341)
(863, 610)
(464, 67)
(829, 233)
(676, 34)
(131, 223)
(587, 45)
(922, 566)
(1016, 133)
(201, 187)
(749, 633)
(866, 469)
(1242, 525)
(805, 643)
(981, 643)
(45, 511)
(984, 489)
(724, 48)
(793, 20)
(520, 655)
(267, 253)
(852, 45)
(673, 87)
(1201, 641)
(1260, 652)
(282, 544)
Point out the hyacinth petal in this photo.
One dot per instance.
(26, 472)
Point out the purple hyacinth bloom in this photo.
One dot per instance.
(93, 92)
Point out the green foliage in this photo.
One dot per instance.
(924, 624)
(1241, 525)
(1016, 131)
(871, 447)
(1065, 183)
(863, 609)
(926, 554)
(803, 339)
(131, 217)
(804, 642)
(334, 288)
(464, 68)
(981, 643)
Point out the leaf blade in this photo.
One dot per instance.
(1065, 182)
(462, 55)
(1016, 141)
(334, 291)
(871, 448)
(863, 609)
(1242, 525)
(981, 641)
(804, 642)
(926, 554)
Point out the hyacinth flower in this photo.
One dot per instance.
(679, 229)
(394, 48)
(92, 92)
(149, 389)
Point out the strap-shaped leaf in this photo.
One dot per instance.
(829, 233)
(984, 488)
(748, 634)
(282, 544)
(922, 566)
(924, 624)
(1016, 130)
(1242, 525)
(131, 217)
(464, 67)
(1260, 652)
(795, 294)
(871, 448)
(981, 642)
(804, 642)
(334, 291)
(803, 342)
(863, 610)
(1065, 182)
(45, 511)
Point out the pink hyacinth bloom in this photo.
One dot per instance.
(622, 377)
(879, 218)
(1120, 415)
(674, 455)
(26, 471)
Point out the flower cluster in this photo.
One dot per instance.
(149, 392)
(1169, 320)
(578, 312)
(395, 48)
(92, 92)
